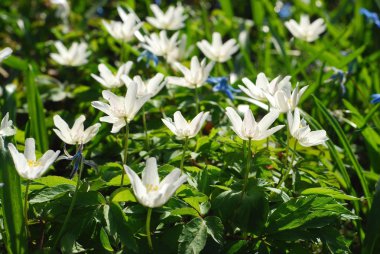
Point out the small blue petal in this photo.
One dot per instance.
(221, 85)
(285, 11)
(375, 98)
(149, 56)
(234, 89)
(100, 11)
(229, 94)
(371, 16)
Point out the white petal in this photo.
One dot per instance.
(268, 119)
(179, 121)
(168, 122)
(138, 188)
(90, 132)
(30, 149)
(197, 122)
(150, 173)
(63, 131)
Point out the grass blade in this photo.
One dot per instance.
(12, 209)
(347, 148)
(36, 113)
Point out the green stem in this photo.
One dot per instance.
(219, 69)
(145, 130)
(26, 208)
(287, 144)
(248, 167)
(148, 233)
(184, 152)
(73, 200)
(197, 106)
(290, 165)
(125, 157)
(244, 145)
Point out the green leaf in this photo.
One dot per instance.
(249, 212)
(328, 192)
(52, 181)
(16, 63)
(104, 240)
(333, 239)
(185, 211)
(307, 212)
(118, 225)
(215, 228)
(12, 208)
(123, 195)
(193, 237)
(51, 193)
(235, 248)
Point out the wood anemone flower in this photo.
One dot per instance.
(249, 129)
(184, 129)
(149, 191)
(27, 164)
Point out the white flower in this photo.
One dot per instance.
(150, 192)
(120, 110)
(160, 44)
(194, 77)
(110, 80)
(304, 30)
(27, 165)
(150, 87)
(76, 55)
(249, 128)
(77, 134)
(263, 86)
(242, 108)
(172, 19)
(284, 99)
(185, 129)
(217, 51)
(63, 10)
(4, 53)
(6, 129)
(301, 131)
(126, 29)
(179, 52)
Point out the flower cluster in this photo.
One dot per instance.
(181, 77)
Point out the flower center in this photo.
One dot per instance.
(119, 112)
(33, 163)
(151, 187)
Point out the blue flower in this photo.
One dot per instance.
(149, 57)
(371, 16)
(100, 11)
(76, 159)
(375, 98)
(285, 11)
(341, 77)
(221, 85)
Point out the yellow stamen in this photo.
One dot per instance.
(151, 187)
(33, 163)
